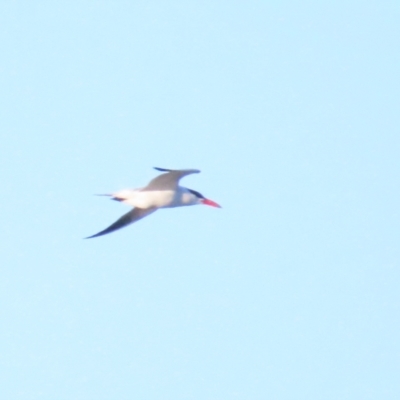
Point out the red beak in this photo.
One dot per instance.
(211, 203)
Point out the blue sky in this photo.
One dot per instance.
(291, 111)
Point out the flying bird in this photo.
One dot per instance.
(161, 192)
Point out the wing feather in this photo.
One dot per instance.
(170, 179)
(127, 219)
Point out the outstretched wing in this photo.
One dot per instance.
(170, 179)
(130, 217)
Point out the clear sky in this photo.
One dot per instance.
(290, 110)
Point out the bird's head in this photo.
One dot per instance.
(198, 198)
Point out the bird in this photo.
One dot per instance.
(163, 191)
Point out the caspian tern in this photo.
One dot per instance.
(161, 192)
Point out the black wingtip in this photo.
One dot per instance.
(93, 236)
(162, 169)
(101, 233)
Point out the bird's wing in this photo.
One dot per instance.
(170, 179)
(130, 217)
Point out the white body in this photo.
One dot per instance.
(156, 198)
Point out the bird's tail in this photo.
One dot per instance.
(112, 196)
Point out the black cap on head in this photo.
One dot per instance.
(199, 195)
